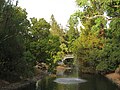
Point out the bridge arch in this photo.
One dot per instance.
(69, 56)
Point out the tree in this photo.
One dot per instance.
(42, 45)
(96, 47)
(38, 39)
(72, 34)
(56, 30)
(13, 29)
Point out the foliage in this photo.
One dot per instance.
(72, 34)
(59, 32)
(38, 38)
(56, 30)
(98, 46)
(13, 29)
(23, 43)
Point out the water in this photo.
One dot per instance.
(69, 80)
(92, 82)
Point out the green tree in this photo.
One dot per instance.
(59, 32)
(72, 34)
(38, 39)
(13, 28)
(56, 30)
(42, 45)
(97, 47)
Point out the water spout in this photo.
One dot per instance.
(69, 80)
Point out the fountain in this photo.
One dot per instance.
(70, 80)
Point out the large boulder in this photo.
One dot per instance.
(40, 68)
(60, 70)
(117, 71)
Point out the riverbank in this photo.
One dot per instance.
(31, 82)
(114, 77)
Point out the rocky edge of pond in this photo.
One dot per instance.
(4, 85)
(40, 71)
(115, 77)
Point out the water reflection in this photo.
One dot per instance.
(94, 82)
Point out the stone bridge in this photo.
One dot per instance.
(68, 56)
(65, 64)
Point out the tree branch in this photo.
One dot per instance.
(106, 17)
(6, 37)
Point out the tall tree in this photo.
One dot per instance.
(13, 28)
(42, 45)
(39, 37)
(93, 47)
(56, 30)
(72, 34)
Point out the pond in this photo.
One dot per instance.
(88, 82)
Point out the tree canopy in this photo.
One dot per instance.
(97, 47)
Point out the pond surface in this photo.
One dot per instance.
(91, 82)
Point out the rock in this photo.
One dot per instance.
(21, 85)
(60, 70)
(114, 77)
(37, 70)
(40, 67)
(117, 71)
(3, 83)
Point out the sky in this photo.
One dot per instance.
(61, 9)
